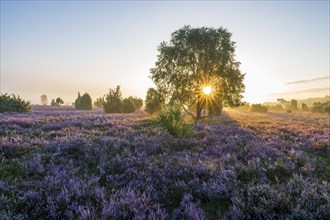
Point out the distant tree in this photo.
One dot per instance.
(59, 101)
(85, 102)
(154, 101)
(137, 102)
(322, 108)
(304, 107)
(113, 101)
(44, 100)
(294, 105)
(53, 103)
(193, 59)
(77, 101)
(128, 106)
(99, 102)
(282, 102)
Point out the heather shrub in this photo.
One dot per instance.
(172, 121)
(258, 108)
(128, 106)
(12, 103)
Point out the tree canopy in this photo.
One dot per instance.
(193, 59)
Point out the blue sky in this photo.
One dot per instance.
(58, 48)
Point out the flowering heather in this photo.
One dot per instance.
(61, 163)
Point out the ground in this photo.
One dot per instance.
(60, 163)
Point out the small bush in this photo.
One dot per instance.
(12, 103)
(317, 109)
(288, 111)
(304, 107)
(258, 108)
(113, 101)
(128, 106)
(57, 102)
(172, 121)
(137, 102)
(99, 102)
(77, 101)
(154, 101)
(84, 102)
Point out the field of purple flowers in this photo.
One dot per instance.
(60, 163)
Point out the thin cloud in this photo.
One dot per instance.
(321, 89)
(308, 80)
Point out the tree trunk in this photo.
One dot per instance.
(199, 108)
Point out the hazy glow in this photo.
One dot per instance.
(58, 48)
(207, 90)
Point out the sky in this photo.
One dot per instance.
(58, 48)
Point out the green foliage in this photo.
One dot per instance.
(278, 173)
(196, 57)
(322, 108)
(172, 121)
(12, 103)
(258, 108)
(99, 102)
(138, 102)
(57, 102)
(128, 106)
(294, 105)
(83, 102)
(154, 101)
(77, 101)
(113, 101)
(304, 107)
(44, 100)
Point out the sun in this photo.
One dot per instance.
(207, 90)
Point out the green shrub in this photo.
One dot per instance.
(128, 106)
(99, 102)
(304, 107)
(294, 105)
(258, 108)
(317, 109)
(154, 101)
(137, 102)
(12, 103)
(322, 108)
(57, 102)
(85, 102)
(113, 101)
(172, 121)
(77, 101)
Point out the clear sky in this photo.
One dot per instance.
(58, 48)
